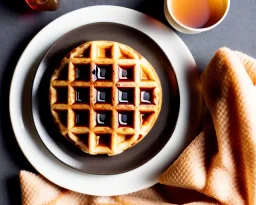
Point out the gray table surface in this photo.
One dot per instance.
(18, 25)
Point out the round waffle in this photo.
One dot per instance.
(105, 97)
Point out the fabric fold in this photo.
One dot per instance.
(228, 173)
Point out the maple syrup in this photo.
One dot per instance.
(198, 13)
(44, 5)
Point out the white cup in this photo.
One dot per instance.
(186, 29)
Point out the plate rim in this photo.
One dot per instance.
(120, 183)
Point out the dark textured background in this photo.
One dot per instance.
(18, 25)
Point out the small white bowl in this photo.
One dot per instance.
(186, 29)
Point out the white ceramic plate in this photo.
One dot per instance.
(105, 185)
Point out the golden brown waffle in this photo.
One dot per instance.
(105, 97)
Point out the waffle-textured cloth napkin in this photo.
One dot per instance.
(218, 167)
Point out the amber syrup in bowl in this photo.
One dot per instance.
(194, 16)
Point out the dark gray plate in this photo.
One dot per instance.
(133, 157)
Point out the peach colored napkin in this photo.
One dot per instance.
(218, 167)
